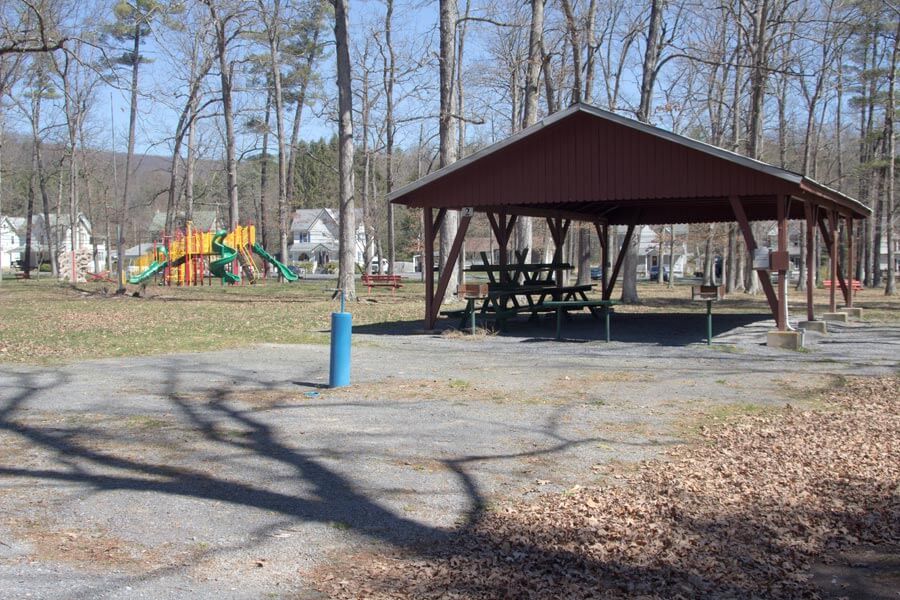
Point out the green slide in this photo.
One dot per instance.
(155, 267)
(282, 268)
(229, 254)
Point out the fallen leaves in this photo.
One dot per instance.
(742, 515)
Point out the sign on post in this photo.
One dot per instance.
(761, 260)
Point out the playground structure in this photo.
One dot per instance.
(189, 255)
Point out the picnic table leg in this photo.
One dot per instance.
(559, 314)
(470, 306)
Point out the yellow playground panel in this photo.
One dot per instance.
(196, 243)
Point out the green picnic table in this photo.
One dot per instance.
(563, 306)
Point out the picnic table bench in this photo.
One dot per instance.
(101, 276)
(563, 306)
(855, 284)
(501, 302)
(391, 281)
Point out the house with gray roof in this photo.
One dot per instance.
(314, 237)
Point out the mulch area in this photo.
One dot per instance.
(744, 513)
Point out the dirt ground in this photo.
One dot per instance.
(236, 474)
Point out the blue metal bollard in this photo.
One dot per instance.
(341, 329)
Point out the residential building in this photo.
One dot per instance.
(60, 228)
(314, 237)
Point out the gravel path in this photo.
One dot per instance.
(229, 474)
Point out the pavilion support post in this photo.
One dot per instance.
(829, 235)
(559, 229)
(781, 212)
(447, 273)
(809, 213)
(833, 253)
(848, 289)
(428, 266)
(750, 241)
(608, 290)
(502, 226)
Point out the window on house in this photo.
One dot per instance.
(301, 237)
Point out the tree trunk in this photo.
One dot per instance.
(758, 77)
(709, 275)
(389, 76)
(591, 51)
(731, 280)
(629, 268)
(890, 285)
(346, 265)
(672, 256)
(264, 166)
(447, 127)
(225, 78)
(573, 32)
(129, 155)
(310, 59)
(584, 256)
(190, 165)
(651, 59)
(41, 178)
(524, 225)
(274, 35)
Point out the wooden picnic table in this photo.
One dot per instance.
(519, 271)
(502, 301)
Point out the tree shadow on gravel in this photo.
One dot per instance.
(83, 454)
(484, 556)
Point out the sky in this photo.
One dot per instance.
(156, 121)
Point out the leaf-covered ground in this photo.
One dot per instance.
(742, 514)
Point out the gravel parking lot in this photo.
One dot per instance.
(230, 474)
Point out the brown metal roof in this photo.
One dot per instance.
(588, 163)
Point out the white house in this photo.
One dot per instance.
(60, 230)
(315, 234)
(649, 249)
(11, 239)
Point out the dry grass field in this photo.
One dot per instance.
(46, 322)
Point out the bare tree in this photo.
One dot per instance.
(271, 17)
(890, 159)
(449, 14)
(133, 21)
(524, 225)
(347, 224)
(226, 28)
(652, 53)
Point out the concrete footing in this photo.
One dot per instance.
(838, 317)
(852, 312)
(788, 340)
(817, 326)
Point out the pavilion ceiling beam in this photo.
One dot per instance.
(829, 234)
(439, 219)
(738, 208)
(629, 233)
(448, 272)
(809, 211)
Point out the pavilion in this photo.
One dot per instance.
(591, 165)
